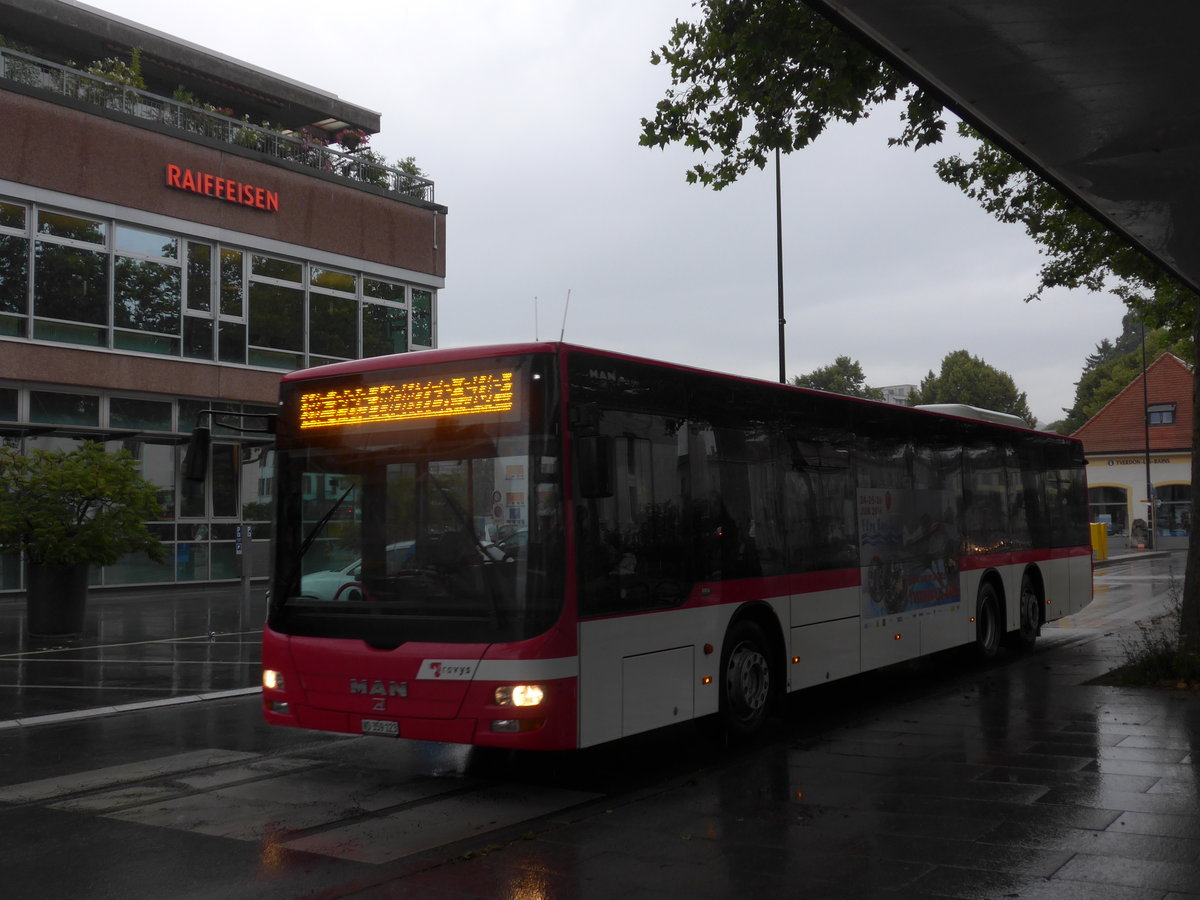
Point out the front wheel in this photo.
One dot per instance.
(745, 679)
(988, 627)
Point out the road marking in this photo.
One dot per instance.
(98, 779)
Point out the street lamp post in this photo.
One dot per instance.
(779, 263)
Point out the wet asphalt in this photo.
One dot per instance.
(1021, 778)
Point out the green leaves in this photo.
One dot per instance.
(753, 77)
(844, 376)
(968, 379)
(81, 506)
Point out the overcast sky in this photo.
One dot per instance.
(526, 115)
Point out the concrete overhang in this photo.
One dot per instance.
(1097, 95)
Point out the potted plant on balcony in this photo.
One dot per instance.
(65, 511)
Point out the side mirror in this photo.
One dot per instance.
(195, 458)
(595, 460)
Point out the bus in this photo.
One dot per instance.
(542, 546)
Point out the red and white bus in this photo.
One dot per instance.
(544, 546)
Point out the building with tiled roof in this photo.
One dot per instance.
(1139, 439)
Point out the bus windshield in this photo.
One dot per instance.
(434, 529)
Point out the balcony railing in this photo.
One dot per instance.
(39, 73)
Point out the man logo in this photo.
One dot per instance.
(378, 688)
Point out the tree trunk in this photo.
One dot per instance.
(1189, 622)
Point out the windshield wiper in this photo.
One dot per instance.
(297, 563)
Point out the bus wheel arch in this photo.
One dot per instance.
(989, 616)
(1031, 609)
(751, 673)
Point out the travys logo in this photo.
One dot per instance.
(448, 669)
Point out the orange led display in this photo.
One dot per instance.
(468, 395)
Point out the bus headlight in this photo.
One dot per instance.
(272, 680)
(520, 695)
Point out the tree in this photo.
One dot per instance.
(1106, 375)
(782, 72)
(968, 379)
(844, 376)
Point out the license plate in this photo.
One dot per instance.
(381, 727)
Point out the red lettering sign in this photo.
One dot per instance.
(219, 188)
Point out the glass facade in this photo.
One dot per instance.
(71, 278)
(202, 523)
(75, 278)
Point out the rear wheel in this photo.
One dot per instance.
(1031, 614)
(988, 627)
(745, 679)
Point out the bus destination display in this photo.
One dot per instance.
(467, 395)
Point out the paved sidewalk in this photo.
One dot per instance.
(141, 646)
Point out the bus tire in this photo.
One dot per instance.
(988, 624)
(746, 686)
(1025, 637)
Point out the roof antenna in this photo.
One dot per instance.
(564, 324)
(535, 318)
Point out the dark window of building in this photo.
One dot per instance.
(422, 318)
(12, 215)
(198, 338)
(276, 322)
(271, 267)
(333, 280)
(1161, 414)
(232, 346)
(71, 284)
(385, 329)
(53, 408)
(14, 284)
(231, 282)
(145, 415)
(383, 290)
(199, 277)
(333, 326)
(8, 404)
(146, 296)
(74, 228)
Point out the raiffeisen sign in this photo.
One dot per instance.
(219, 188)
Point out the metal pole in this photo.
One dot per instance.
(1150, 525)
(779, 263)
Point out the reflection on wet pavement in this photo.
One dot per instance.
(144, 646)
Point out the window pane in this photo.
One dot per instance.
(88, 335)
(385, 330)
(276, 317)
(333, 326)
(197, 338)
(422, 318)
(383, 290)
(51, 408)
(225, 480)
(147, 296)
(12, 215)
(231, 282)
(147, 243)
(232, 347)
(14, 274)
(145, 342)
(70, 284)
(270, 267)
(8, 404)
(65, 226)
(14, 326)
(333, 280)
(148, 415)
(199, 277)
